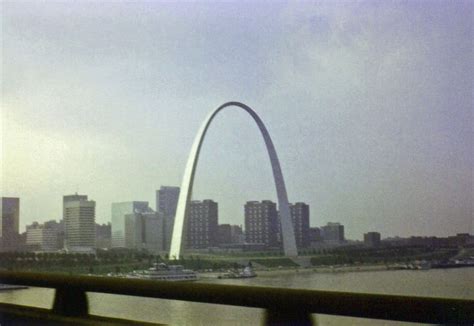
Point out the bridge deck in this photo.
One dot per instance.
(283, 306)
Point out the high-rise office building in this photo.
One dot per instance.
(67, 199)
(261, 223)
(72, 198)
(300, 218)
(134, 238)
(166, 202)
(103, 235)
(79, 223)
(10, 223)
(333, 233)
(202, 221)
(61, 234)
(119, 221)
(153, 224)
(136, 226)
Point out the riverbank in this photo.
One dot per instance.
(264, 272)
(293, 270)
(328, 269)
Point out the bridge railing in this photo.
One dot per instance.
(282, 305)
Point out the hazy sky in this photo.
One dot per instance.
(369, 104)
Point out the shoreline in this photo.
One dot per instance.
(332, 270)
(323, 270)
(305, 270)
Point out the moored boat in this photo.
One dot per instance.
(163, 272)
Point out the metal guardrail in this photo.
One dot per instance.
(283, 306)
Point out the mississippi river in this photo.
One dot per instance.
(447, 283)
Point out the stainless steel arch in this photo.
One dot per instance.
(289, 244)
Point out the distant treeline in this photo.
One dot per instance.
(354, 255)
(123, 260)
(103, 262)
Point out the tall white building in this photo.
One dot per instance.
(79, 223)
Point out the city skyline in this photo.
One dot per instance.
(369, 107)
(300, 214)
(136, 226)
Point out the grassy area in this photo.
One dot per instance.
(64, 264)
(197, 263)
(380, 256)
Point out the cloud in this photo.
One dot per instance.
(369, 105)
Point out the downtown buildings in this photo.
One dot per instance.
(136, 226)
(228, 235)
(372, 239)
(49, 237)
(10, 223)
(166, 203)
(263, 227)
(202, 224)
(76, 232)
(103, 235)
(261, 223)
(44, 237)
(333, 233)
(300, 218)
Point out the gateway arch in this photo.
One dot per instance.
(177, 243)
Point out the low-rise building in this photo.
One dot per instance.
(333, 233)
(224, 234)
(372, 239)
(42, 237)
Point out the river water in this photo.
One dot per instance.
(447, 283)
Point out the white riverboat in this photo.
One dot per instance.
(163, 272)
